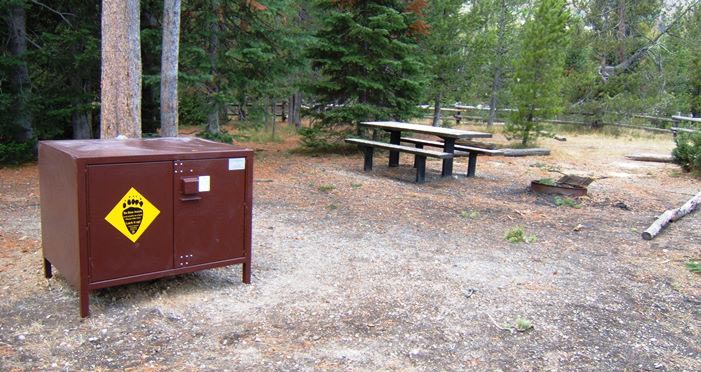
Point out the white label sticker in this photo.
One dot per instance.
(203, 184)
(237, 163)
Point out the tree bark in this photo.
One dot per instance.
(526, 152)
(81, 120)
(120, 108)
(272, 111)
(671, 215)
(494, 99)
(295, 109)
(658, 158)
(169, 68)
(213, 118)
(501, 49)
(437, 110)
(621, 29)
(17, 26)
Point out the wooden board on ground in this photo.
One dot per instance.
(657, 158)
(526, 152)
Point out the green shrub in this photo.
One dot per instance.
(694, 267)
(318, 138)
(569, 202)
(15, 153)
(547, 182)
(522, 325)
(517, 235)
(688, 151)
(219, 137)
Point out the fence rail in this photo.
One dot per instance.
(659, 124)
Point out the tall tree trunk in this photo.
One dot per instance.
(494, 99)
(272, 111)
(437, 110)
(80, 119)
(499, 61)
(82, 125)
(17, 26)
(295, 109)
(121, 69)
(213, 118)
(621, 30)
(169, 68)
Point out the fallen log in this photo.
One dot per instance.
(657, 158)
(526, 152)
(671, 215)
(482, 145)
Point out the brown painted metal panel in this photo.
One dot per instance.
(83, 182)
(58, 185)
(112, 253)
(209, 224)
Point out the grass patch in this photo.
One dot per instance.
(331, 207)
(356, 185)
(547, 182)
(568, 202)
(518, 235)
(327, 188)
(522, 325)
(470, 214)
(694, 267)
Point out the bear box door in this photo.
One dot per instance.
(130, 219)
(209, 210)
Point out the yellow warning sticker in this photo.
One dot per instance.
(132, 215)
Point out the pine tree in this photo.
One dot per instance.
(442, 47)
(366, 55)
(693, 36)
(538, 76)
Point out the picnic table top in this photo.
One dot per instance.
(426, 129)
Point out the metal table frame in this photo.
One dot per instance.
(449, 135)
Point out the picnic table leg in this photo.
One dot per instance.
(394, 137)
(418, 146)
(420, 162)
(471, 164)
(449, 147)
(367, 166)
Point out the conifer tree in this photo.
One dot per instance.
(367, 57)
(538, 75)
(442, 47)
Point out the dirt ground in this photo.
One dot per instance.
(370, 271)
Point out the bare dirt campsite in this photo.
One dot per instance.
(358, 270)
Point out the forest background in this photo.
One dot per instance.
(352, 60)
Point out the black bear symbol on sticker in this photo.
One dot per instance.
(133, 214)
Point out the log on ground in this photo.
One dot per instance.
(526, 152)
(657, 158)
(671, 215)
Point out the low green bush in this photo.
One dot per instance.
(15, 153)
(219, 137)
(688, 152)
(518, 235)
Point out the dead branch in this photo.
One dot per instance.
(60, 14)
(671, 215)
(607, 71)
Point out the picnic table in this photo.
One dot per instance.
(448, 135)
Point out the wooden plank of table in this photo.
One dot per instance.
(425, 129)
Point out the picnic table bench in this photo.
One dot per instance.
(470, 151)
(419, 159)
(448, 135)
